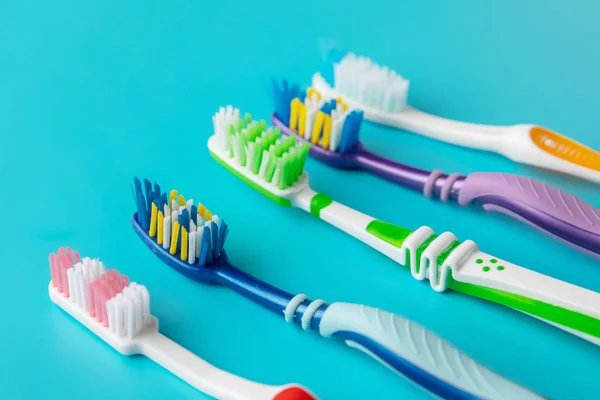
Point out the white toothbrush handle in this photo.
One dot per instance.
(523, 143)
(460, 133)
(348, 220)
(566, 306)
(345, 218)
(209, 379)
(417, 354)
(527, 144)
(569, 307)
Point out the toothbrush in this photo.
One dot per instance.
(382, 94)
(118, 311)
(276, 171)
(333, 131)
(189, 239)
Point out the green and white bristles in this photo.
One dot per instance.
(262, 151)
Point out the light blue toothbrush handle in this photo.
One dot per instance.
(417, 354)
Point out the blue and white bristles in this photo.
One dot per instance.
(328, 123)
(180, 227)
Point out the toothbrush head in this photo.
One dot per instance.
(103, 300)
(361, 82)
(331, 128)
(186, 236)
(118, 311)
(258, 155)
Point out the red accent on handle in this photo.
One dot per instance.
(294, 393)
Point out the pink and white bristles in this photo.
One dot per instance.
(59, 264)
(105, 295)
(118, 311)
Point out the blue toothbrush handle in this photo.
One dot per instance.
(417, 354)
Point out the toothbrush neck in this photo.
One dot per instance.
(401, 174)
(430, 183)
(268, 296)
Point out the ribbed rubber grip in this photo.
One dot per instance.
(550, 209)
(417, 353)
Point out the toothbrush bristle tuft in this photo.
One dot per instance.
(60, 262)
(329, 124)
(362, 80)
(331, 56)
(262, 151)
(105, 295)
(282, 95)
(186, 230)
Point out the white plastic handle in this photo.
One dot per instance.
(461, 133)
(192, 369)
(206, 377)
(532, 287)
(513, 141)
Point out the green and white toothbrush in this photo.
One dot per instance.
(275, 167)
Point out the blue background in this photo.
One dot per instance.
(94, 92)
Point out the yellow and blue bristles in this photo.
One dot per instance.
(182, 228)
(325, 123)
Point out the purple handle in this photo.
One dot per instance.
(402, 174)
(430, 183)
(558, 213)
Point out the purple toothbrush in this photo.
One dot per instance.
(333, 129)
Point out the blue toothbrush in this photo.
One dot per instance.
(189, 239)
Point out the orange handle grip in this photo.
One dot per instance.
(565, 148)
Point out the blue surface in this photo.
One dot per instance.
(93, 93)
